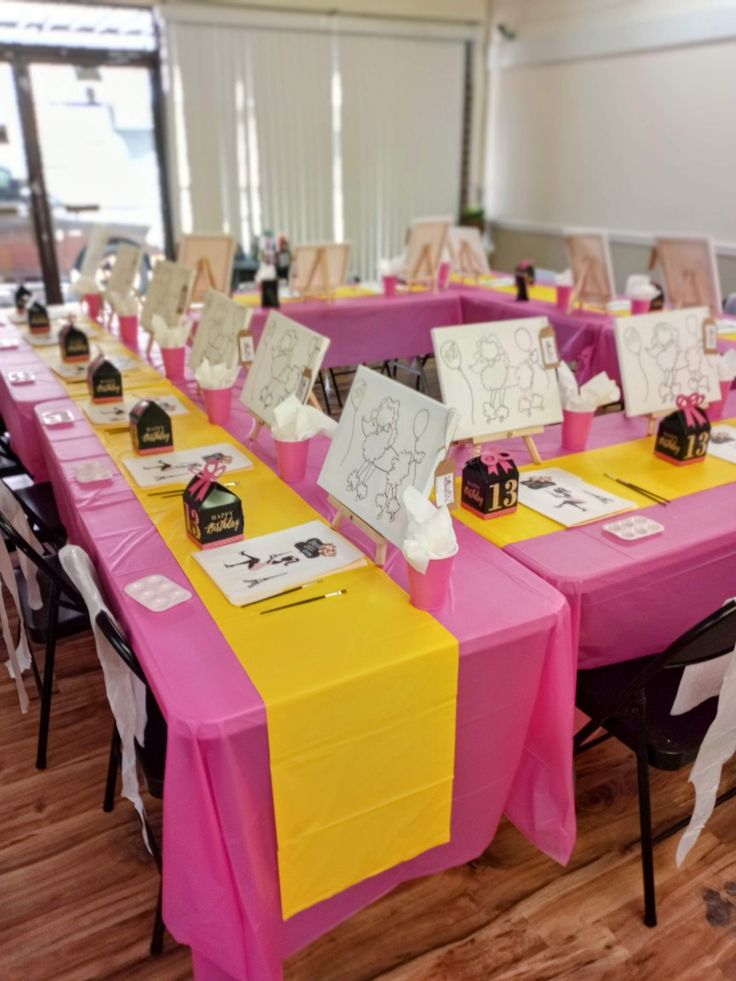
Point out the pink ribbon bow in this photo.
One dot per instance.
(688, 404)
(499, 463)
(207, 476)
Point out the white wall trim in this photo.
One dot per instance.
(715, 20)
(323, 23)
(616, 236)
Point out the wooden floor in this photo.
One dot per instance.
(77, 889)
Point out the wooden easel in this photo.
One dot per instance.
(203, 271)
(343, 513)
(526, 434)
(467, 262)
(320, 266)
(260, 423)
(424, 261)
(579, 290)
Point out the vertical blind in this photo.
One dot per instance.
(323, 134)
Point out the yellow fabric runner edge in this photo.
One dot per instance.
(361, 712)
(633, 461)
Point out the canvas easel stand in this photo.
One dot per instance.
(343, 513)
(318, 278)
(468, 265)
(203, 276)
(527, 434)
(423, 272)
(580, 291)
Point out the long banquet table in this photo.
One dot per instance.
(514, 711)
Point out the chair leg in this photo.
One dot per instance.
(336, 388)
(321, 380)
(645, 824)
(48, 678)
(157, 935)
(112, 771)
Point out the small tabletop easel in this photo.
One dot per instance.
(343, 513)
(419, 278)
(203, 276)
(260, 423)
(468, 264)
(527, 434)
(318, 271)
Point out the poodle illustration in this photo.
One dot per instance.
(284, 373)
(665, 350)
(380, 457)
(492, 366)
(527, 371)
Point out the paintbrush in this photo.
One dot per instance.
(313, 599)
(657, 498)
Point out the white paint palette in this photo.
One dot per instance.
(63, 417)
(21, 377)
(157, 593)
(95, 472)
(633, 529)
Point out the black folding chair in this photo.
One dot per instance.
(39, 505)
(151, 758)
(62, 614)
(10, 465)
(632, 702)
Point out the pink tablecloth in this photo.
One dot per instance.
(515, 697)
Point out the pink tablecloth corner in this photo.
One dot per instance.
(515, 700)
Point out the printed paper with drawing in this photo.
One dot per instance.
(287, 361)
(108, 413)
(662, 355)
(257, 568)
(180, 466)
(568, 499)
(495, 376)
(389, 437)
(723, 442)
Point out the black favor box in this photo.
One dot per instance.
(524, 278)
(683, 436)
(490, 486)
(104, 381)
(74, 344)
(150, 428)
(22, 295)
(38, 319)
(270, 293)
(213, 515)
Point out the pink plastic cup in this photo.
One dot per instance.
(389, 285)
(715, 409)
(292, 459)
(564, 295)
(93, 302)
(129, 330)
(218, 401)
(639, 306)
(428, 590)
(174, 362)
(575, 429)
(443, 275)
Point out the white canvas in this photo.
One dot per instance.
(94, 251)
(168, 294)
(217, 334)
(467, 252)
(662, 355)
(723, 442)
(158, 469)
(127, 262)
(494, 375)
(285, 352)
(592, 270)
(690, 272)
(259, 568)
(110, 413)
(322, 267)
(389, 437)
(567, 499)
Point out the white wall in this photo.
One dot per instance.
(603, 115)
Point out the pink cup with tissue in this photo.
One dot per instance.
(576, 429)
(174, 358)
(291, 457)
(715, 409)
(428, 590)
(218, 402)
(564, 295)
(390, 283)
(93, 302)
(443, 275)
(129, 330)
(639, 305)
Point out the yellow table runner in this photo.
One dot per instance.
(253, 299)
(634, 461)
(360, 695)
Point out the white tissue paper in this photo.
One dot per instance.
(167, 336)
(727, 365)
(564, 278)
(295, 422)
(640, 287)
(215, 375)
(430, 533)
(392, 267)
(599, 390)
(265, 271)
(84, 285)
(124, 305)
(699, 682)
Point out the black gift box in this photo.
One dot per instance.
(213, 515)
(104, 381)
(150, 428)
(270, 293)
(22, 296)
(683, 436)
(524, 277)
(38, 319)
(74, 344)
(490, 485)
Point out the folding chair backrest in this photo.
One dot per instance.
(712, 637)
(13, 512)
